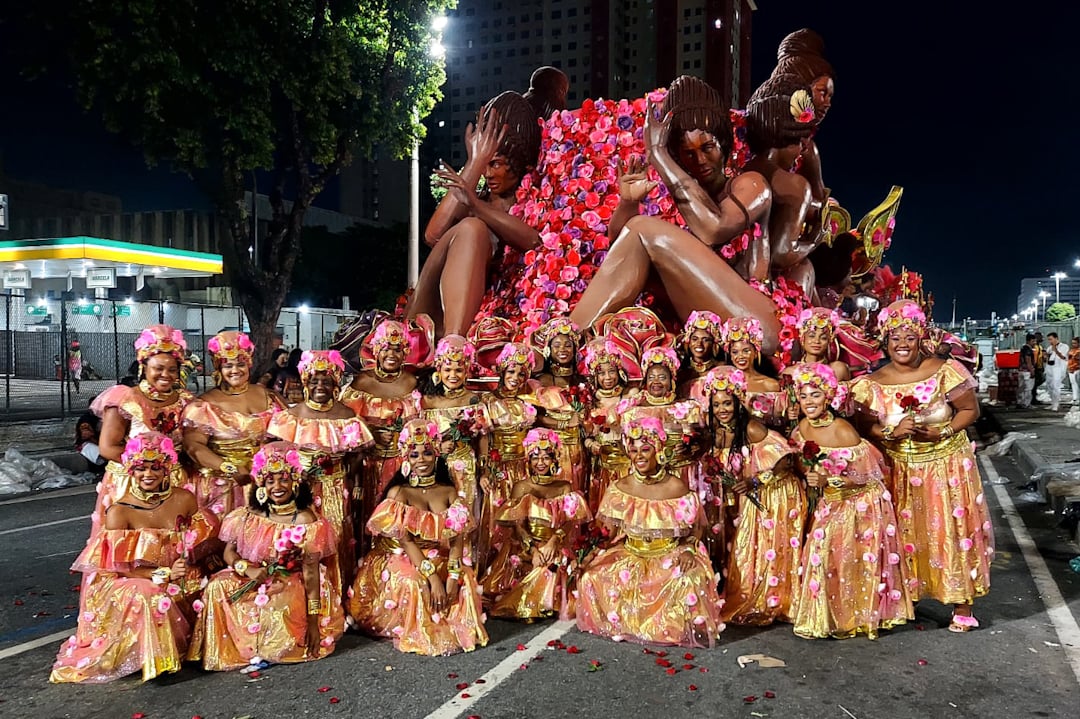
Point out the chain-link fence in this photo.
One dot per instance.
(57, 355)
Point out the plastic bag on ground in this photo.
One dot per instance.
(19, 473)
(1002, 448)
(1072, 418)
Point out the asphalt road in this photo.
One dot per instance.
(1024, 662)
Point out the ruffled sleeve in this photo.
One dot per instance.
(649, 518)
(398, 520)
(124, 550)
(568, 509)
(865, 398)
(332, 435)
(955, 379)
(202, 416)
(255, 536)
(765, 455)
(116, 396)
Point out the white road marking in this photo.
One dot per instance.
(43, 524)
(59, 554)
(1056, 608)
(53, 494)
(39, 642)
(501, 672)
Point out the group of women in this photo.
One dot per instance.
(653, 486)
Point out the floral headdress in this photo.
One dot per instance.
(820, 376)
(454, 348)
(648, 429)
(742, 329)
(313, 361)
(703, 320)
(276, 458)
(148, 447)
(515, 353)
(418, 433)
(160, 339)
(725, 379)
(541, 438)
(662, 356)
(602, 351)
(230, 346)
(551, 329)
(902, 315)
(389, 333)
(819, 319)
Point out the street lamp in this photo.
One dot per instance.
(1058, 277)
(1044, 294)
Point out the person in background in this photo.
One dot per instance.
(1026, 391)
(87, 428)
(1040, 366)
(287, 380)
(74, 362)
(1073, 368)
(278, 360)
(1055, 369)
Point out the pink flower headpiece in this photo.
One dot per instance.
(602, 351)
(275, 458)
(820, 376)
(742, 329)
(703, 320)
(725, 379)
(329, 361)
(541, 438)
(418, 433)
(662, 356)
(515, 353)
(160, 339)
(148, 447)
(554, 327)
(454, 348)
(647, 429)
(230, 345)
(389, 333)
(902, 315)
(818, 319)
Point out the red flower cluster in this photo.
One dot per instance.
(908, 403)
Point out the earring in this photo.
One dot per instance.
(261, 495)
(406, 469)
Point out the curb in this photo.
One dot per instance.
(1030, 461)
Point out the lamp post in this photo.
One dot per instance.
(1058, 277)
(1043, 295)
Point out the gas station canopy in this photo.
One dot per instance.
(67, 257)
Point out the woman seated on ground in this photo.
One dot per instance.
(412, 587)
(135, 600)
(275, 602)
(655, 583)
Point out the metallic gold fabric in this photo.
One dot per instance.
(387, 599)
(644, 596)
(947, 537)
(268, 622)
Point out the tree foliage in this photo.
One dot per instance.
(1059, 312)
(220, 89)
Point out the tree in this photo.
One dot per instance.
(1059, 312)
(221, 89)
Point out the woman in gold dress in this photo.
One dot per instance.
(226, 426)
(384, 396)
(413, 587)
(135, 600)
(561, 395)
(328, 436)
(917, 407)
(604, 365)
(528, 578)
(154, 405)
(754, 465)
(654, 584)
(742, 341)
(700, 339)
(852, 578)
(274, 602)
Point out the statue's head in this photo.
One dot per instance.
(802, 54)
(780, 113)
(547, 91)
(520, 147)
(700, 129)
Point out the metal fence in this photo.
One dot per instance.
(36, 336)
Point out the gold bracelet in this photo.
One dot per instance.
(240, 566)
(161, 575)
(456, 576)
(314, 606)
(453, 565)
(228, 468)
(426, 568)
(946, 431)
(886, 431)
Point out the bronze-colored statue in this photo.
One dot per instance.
(467, 228)
(688, 144)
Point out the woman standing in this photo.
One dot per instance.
(384, 396)
(655, 584)
(328, 436)
(133, 614)
(918, 407)
(561, 395)
(226, 426)
(700, 339)
(413, 586)
(274, 601)
(154, 405)
(852, 578)
(742, 342)
(604, 366)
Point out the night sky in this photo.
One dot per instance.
(958, 106)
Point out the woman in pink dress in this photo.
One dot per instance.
(413, 586)
(654, 584)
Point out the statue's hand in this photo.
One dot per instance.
(634, 182)
(482, 140)
(657, 131)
